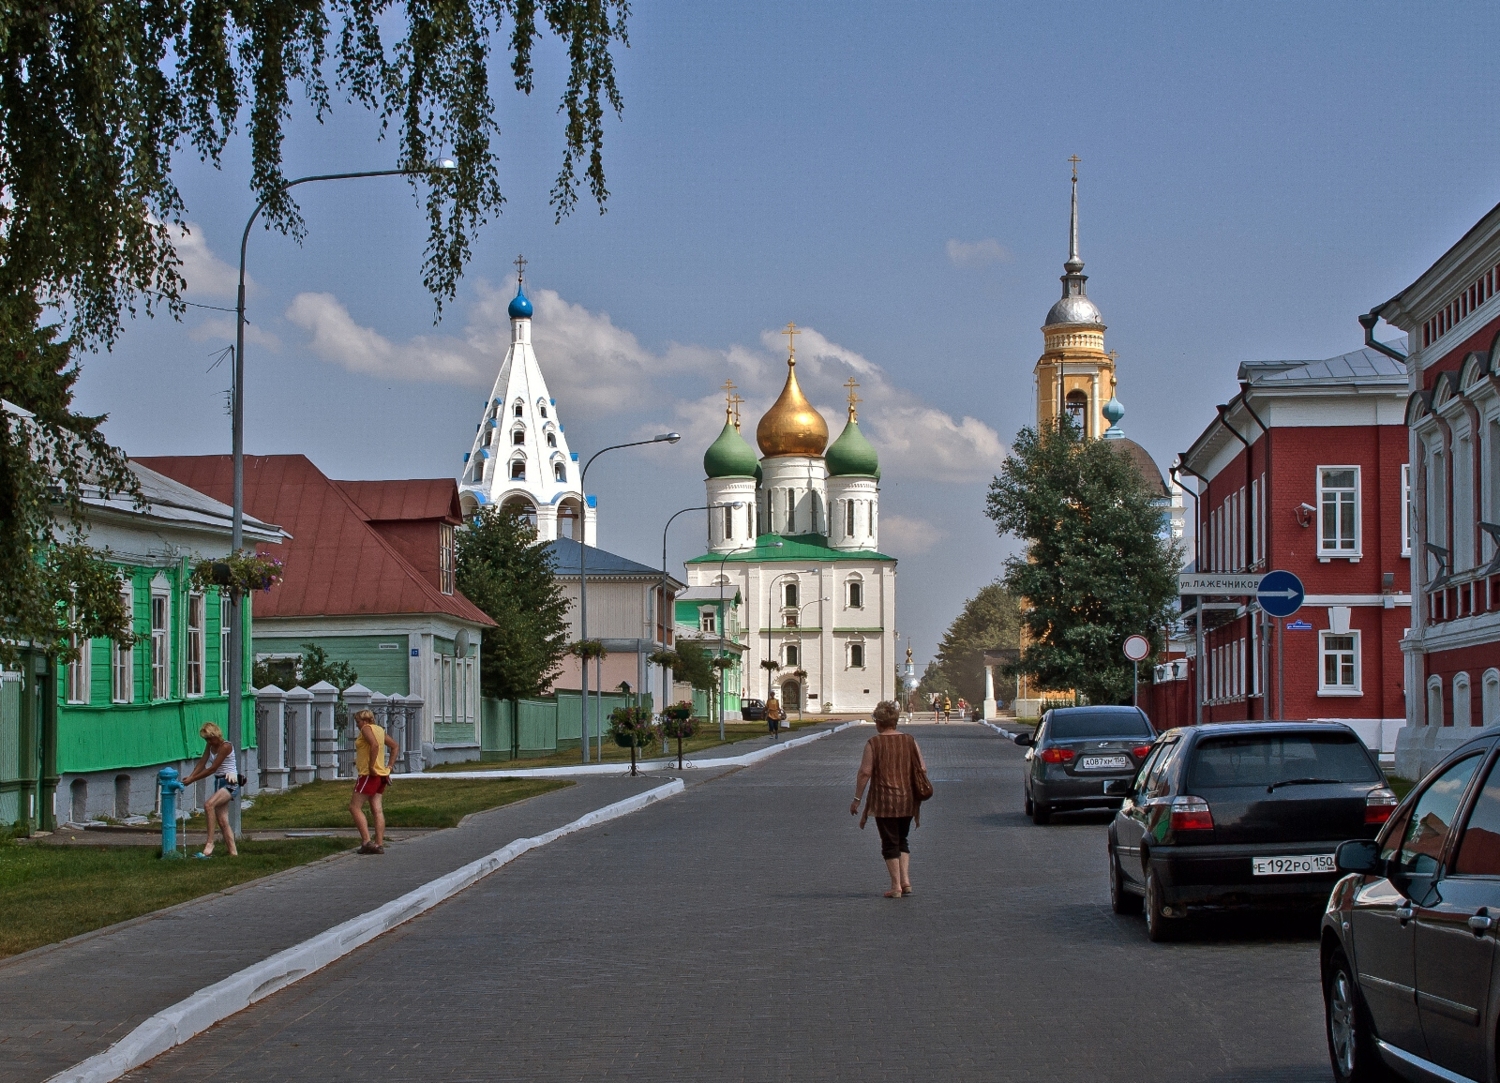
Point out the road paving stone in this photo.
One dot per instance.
(737, 932)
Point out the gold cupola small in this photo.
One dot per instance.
(792, 426)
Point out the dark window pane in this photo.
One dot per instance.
(1422, 841)
(1084, 724)
(1479, 851)
(1261, 760)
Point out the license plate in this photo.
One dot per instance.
(1293, 866)
(1101, 763)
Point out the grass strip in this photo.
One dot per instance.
(707, 737)
(408, 803)
(49, 893)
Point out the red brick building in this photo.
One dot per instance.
(1305, 470)
(1451, 315)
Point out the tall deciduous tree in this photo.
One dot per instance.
(990, 619)
(504, 571)
(98, 98)
(1098, 566)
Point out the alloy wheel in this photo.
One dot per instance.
(1341, 1023)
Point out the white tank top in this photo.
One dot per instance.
(228, 769)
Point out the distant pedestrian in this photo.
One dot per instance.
(217, 760)
(774, 715)
(374, 770)
(893, 768)
(947, 708)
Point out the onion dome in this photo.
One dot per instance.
(851, 455)
(791, 426)
(520, 307)
(1113, 410)
(730, 456)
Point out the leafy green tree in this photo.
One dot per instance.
(1097, 566)
(989, 620)
(694, 665)
(504, 571)
(96, 101)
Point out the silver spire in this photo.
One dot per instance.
(1074, 264)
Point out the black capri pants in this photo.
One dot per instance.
(893, 831)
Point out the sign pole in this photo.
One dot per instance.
(1135, 687)
(1280, 675)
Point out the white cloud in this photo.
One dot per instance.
(976, 253)
(903, 536)
(222, 328)
(337, 338)
(205, 273)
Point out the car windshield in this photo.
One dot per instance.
(1083, 724)
(1267, 759)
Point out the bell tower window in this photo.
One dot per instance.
(1077, 406)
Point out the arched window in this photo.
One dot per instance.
(728, 521)
(1078, 404)
(856, 656)
(1463, 706)
(1434, 701)
(552, 439)
(789, 652)
(520, 409)
(856, 594)
(559, 471)
(518, 437)
(849, 518)
(1489, 704)
(518, 470)
(791, 511)
(789, 595)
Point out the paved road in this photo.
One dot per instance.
(737, 932)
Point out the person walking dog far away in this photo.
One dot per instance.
(217, 760)
(374, 770)
(893, 768)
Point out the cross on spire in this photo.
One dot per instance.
(520, 262)
(736, 401)
(791, 342)
(854, 399)
(1075, 160)
(729, 397)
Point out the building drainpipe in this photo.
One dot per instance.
(1265, 555)
(1249, 476)
(1183, 468)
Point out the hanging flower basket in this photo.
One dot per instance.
(632, 729)
(588, 648)
(678, 712)
(678, 724)
(238, 573)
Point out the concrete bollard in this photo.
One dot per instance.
(270, 704)
(411, 740)
(356, 698)
(299, 736)
(325, 738)
(167, 778)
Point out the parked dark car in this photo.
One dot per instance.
(1241, 815)
(1082, 757)
(753, 710)
(1408, 937)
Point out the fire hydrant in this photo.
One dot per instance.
(170, 788)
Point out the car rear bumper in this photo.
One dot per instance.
(1080, 792)
(1223, 876)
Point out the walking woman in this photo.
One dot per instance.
(217, 760)
(897, 776)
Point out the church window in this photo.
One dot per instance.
(559, 471)
(790, 652)
(518, 437)
(518, 470)
(1077, 405)
(856, 595)
(552, 439)
(791, 511)
(520, 410)
(728, 521)
(1338, 502)
(856, 656)
(543, 410)
(849, 518)
(789, 595)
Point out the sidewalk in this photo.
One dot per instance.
(65, 1002)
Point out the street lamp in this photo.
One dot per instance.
(583, 590)
(800, 608)
(770, 629)
(665, 625)
(237, 411)
(722, 622)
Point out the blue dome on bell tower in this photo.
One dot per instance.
(520, 307)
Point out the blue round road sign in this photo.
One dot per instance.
(1280, 593)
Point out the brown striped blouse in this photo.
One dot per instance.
(887, 766)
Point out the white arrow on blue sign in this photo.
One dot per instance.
(1280, 593)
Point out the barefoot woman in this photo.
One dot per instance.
(888, 766)
(217, 760)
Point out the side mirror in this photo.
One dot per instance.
(1357, 855)
(1025, 740)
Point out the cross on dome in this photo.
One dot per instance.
(520, 262)
(854, 400)
(791, 342)
(729, 397)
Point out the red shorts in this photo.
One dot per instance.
(372, 785)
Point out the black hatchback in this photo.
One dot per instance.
(1082, 757)
(1243, 814)
(1410, 974)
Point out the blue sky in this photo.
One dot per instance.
(892, 177)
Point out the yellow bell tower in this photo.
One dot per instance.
(1074, 373)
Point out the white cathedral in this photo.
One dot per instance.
(520, 456)
(795, 536)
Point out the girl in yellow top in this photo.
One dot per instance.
(374, 769)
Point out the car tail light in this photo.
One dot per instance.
(1379, 805)
(1191, 814)
(1140, 752)
(1056, 755)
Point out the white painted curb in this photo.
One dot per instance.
(643, 765)
(196, 1013)
(997, 729)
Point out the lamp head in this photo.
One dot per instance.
(442, 165)
(666, 437)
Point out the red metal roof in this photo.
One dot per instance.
(337, 563)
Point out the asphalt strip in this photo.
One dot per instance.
(196, 1013)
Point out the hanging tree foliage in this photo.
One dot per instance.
(1096, 567)
(96, 101)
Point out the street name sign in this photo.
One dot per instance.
(1217, 583)
(1280, 593)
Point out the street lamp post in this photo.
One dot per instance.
(237, 440)
(701, 507)
(583, 590)
(800, 651)
(770, 629)
(719, 670)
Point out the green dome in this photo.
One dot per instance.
(852, 455)
(729, 456)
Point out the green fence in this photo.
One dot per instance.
(531, 728)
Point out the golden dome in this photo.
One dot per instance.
(791, 426)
